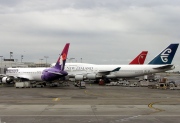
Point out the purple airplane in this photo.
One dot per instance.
(39, 74)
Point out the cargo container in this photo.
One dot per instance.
(19, 84)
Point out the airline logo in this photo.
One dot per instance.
(165, 54)
(141, 59)
(63, 58)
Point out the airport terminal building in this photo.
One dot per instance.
(11, 63)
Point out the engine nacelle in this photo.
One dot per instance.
(110, 76)
(7, 79)
(91, 76)
(79, 77)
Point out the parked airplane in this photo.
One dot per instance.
(137, 60)
(39, 74)
(160, 63)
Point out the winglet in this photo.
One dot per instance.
(166, 56)
(140, 58)
(62, 58)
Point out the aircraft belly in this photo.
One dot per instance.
(37, 78)
(124, 74)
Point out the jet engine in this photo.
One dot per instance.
(91, 76)
(7, 79)
(79, 77)
(110, 76)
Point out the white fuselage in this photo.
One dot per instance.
(27, 73)
(124, 71)
(84, 69)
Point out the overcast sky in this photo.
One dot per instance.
(99, 31)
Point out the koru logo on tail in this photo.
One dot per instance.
(165, 54)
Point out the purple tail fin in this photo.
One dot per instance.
(62, 58)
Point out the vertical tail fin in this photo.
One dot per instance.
(62, 58)
(140, 58)
(166, 56)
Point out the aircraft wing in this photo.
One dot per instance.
(73, 74)
(3, 75)
(23, 77)
(169, 66)
(107, 72)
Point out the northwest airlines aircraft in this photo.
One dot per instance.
(39, 74)
(160, 63)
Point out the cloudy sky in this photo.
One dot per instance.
(99, 31)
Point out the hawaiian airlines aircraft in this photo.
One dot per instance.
(39, 74)
(160, 63)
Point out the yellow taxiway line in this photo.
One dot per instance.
(152, 107)
(56, 99)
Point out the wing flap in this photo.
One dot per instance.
(107, 72)
(24, 77)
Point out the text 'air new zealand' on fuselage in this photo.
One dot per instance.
(160, 63)
(39, 74)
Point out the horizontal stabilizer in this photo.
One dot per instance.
(164, 67)
(54, 73)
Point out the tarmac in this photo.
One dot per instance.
(95, 104)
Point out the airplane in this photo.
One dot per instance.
(39, 74)
(137, 60)
(161, 63)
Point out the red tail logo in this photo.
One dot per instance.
(140, 58)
